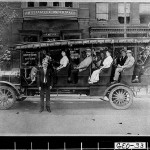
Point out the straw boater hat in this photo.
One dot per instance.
(88, 50)
(129, 51)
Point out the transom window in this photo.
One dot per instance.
(102, 11)
(123, 10)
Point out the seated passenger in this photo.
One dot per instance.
(128, 64)
(118, 61)
(64, 61)
(98, 61)
(106, 64)
(122, 59)
(73, 74)
(33, 73)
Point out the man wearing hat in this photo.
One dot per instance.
(122, 59)
(128, 64)
(84, 64)
(45, 82)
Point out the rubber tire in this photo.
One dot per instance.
(13, 95)
(130, 94)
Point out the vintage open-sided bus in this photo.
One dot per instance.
(16, 85)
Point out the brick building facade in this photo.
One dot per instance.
(43, 21)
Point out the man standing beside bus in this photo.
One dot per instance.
(45, 82)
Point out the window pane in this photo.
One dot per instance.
(101, 7)
(144, 18)
(144, 8)
(121, 8)
(68, 4)
(30, 4)
(55, 3)
(123, 15)
(102, 17)
(42, 3)
(121, 20)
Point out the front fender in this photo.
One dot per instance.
(10, 85)
(114, 85)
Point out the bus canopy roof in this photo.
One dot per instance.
(30, 45)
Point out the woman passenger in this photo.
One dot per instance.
(106, 64)
(63, 61)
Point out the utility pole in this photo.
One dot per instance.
(125, 21)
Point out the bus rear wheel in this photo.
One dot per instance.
(121, 97)
(7, 97)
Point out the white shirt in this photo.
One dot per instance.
(129, 62)
(64, 61)
(45, 69)
(107, 62)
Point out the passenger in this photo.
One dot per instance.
(73, 74)
(118, 61)
(106, 64)
(99, 60)
(33, 73)
(128, 64)
(64, 61)
(122, 59)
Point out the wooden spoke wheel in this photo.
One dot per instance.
(121, 97)
(7, 97)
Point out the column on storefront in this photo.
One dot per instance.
(113, 13)
(83, 19)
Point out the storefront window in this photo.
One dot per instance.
(71, 36)
(144, 11)
(42, 4)
(55, 3)
(102, 11)
(68, 4)
(115, 35)
(28, 38)
(123, 10)
(30, 4)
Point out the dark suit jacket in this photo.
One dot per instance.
(121, 60)
(40, 77)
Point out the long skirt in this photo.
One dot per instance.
(95, 76)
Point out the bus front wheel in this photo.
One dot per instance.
(7, 97)
(121, 97)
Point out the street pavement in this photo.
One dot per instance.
(76, 115)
